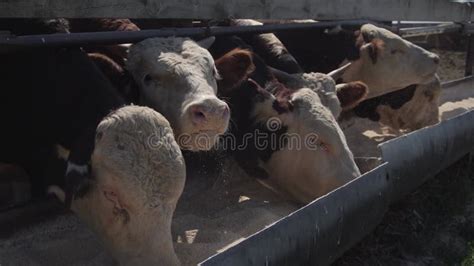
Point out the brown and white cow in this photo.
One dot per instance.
(403, 86)
(287, 138)
(138, 175)
(388, 62)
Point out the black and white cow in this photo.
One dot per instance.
(287, 138)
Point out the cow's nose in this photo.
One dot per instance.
(436, 59)
(204, 113)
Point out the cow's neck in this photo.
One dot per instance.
(160, 242)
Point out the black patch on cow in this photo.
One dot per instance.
(262, 74)
(396, 99)
(225, 44)
(246, 131)
(317, 51)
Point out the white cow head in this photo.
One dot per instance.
(322, 163)
(138, 176)
(388, 63)
(177, 77)
(315, 158)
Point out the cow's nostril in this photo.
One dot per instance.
(198, 116)
(225, 111)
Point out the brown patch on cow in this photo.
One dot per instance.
(351, 94)
(283, 103)
(376, 46)
(102, 24)
(234, 67)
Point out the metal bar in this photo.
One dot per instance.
(459, 90)
(429, 30)
(113, 37)
(454, 83)
(469, 55)
(416, 157)
(318, 233)
(438, 10)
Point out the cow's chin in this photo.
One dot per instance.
(198, 141)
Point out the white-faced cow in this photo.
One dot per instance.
(287, 138)
(177, 77)
(154, 65)
(138, 177)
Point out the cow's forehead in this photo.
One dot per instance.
(318, 82)
(307, 102)
(314, 115)
(379, 33)
(171, 52)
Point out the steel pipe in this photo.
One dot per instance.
(116, 37)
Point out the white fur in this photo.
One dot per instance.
(182, 74)
(81, 169)
(400, 63)
(139, 175)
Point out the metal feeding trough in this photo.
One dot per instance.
(322, 231)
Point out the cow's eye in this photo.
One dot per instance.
(147, 78)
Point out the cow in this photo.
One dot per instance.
(380, 59)
(116, 52)
(388, 63)
(269, 47)
(62, 99)
(138, 175)
(263, 107)
(154, 66)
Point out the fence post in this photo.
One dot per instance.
(469, 55)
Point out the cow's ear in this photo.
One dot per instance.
(351, 94)
(374, 48)
(234, 67)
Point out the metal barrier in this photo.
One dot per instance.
(320, 232)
